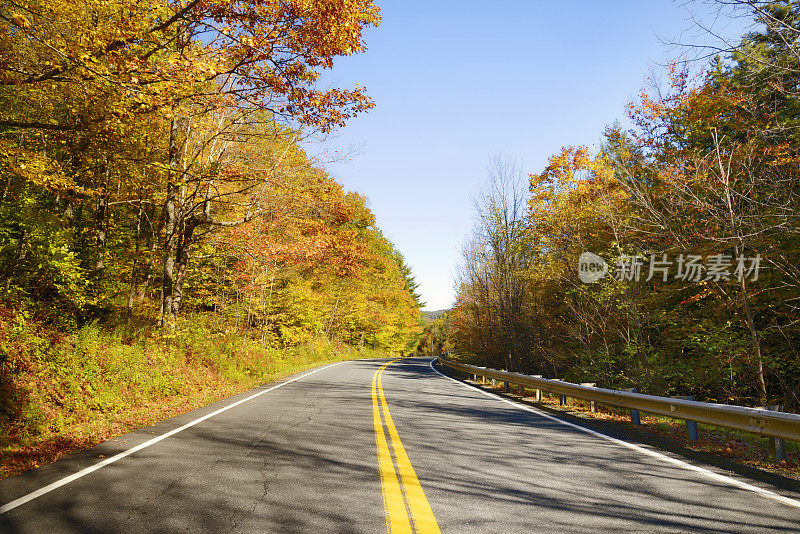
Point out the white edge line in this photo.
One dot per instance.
(83, 472)
(649, 452)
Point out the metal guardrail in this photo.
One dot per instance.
(778, 425)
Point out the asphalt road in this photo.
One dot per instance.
(349, 448)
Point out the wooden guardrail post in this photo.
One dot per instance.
(777, 446)
(507, 387)
(691, 426)
(634, 413)
(592, 405)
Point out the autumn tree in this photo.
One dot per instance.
(493, 273)
(183, 80)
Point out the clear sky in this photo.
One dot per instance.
(458, 81)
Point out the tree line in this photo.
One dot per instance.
(691, 219)
(151, 167)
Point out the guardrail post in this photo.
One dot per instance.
(562, 399)
(592, 405)
(634, 413)
(507, 386)
(691, 426)
(538, 391)
(691, 430)
(777, 446)
(768, 423)
(635, 417)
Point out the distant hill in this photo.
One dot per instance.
(433, 315)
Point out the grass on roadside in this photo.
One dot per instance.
(60, 393)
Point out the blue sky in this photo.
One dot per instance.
(457, 82)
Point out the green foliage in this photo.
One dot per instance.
(37, 255)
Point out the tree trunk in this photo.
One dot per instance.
(333, 312)
(148, 271)
(132, 290)
(182, 255)
(739, 247)
(751, 326)
(102, 233)
(166, 318)
(5, 188)
(101, 217)
(269, 306)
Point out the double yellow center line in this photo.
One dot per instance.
(404, 502)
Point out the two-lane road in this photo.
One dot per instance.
(363, 446)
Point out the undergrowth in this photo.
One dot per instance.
(62, 392)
